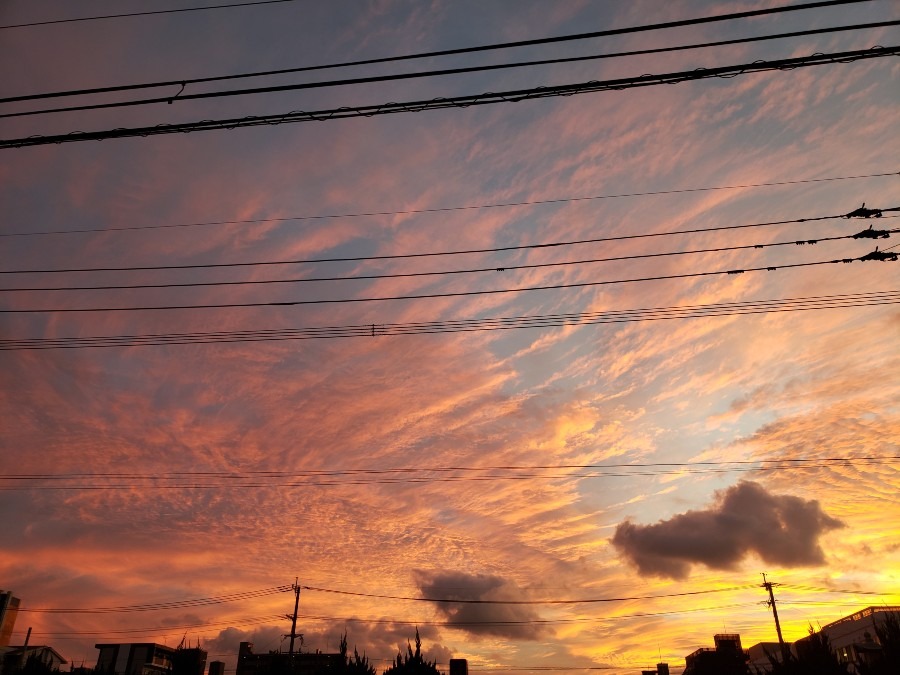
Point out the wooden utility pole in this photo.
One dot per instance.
(771, 603)
(293, 617)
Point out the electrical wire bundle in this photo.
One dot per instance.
(179, 91)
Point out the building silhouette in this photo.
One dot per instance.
(281, 663)
(9, 609)
(853, 638)
(661, 669)
(15, 657)
(149, 658)
(726, 658)
(761, 654)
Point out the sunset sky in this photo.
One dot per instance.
(612, 488)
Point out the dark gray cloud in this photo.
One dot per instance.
(744, 519)
(511, 621)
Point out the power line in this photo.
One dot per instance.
(755, 463)
(177, 604)
(147, 13)
(153, 606)
(497, 249)
(463, 624)
(181, 96)
(253, 621)
(825, 603)
(829, 590)
(399, 475)
(406, 256)
(426, 296)
(445, 52)
(557, 200)
(524, 622)
(432, 273)
(540, 622)
(398, 622)
(464, 325)
(268, 619)
(465, 101)
(402, 256)
(469, 601)
(264, 620)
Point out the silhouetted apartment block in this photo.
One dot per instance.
(307, 663)
(9, 609)
(760, 654)
(149, 658)
(459, 667)
(853, 638)
(217, 668)
(726, 658)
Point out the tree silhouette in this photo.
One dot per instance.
(357, 665)
(814, 657)
(188, 660)
(887, 660)
(34, 666)
(412, 663)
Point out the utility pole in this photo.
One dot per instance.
(293, 617)
(24, 658)
(771, 603)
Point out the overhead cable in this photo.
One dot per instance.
(754, 464)
(461, 326)
(145, 13)
(221, 625)
(819, 589)
(459, 623)
(153, 606)
(541, 622)
(445, 52)
(420, 622)
(396, 622)
(431, 273)
(470, 601)
(444, 209)
(465, 101)
(429, 254)
(428, 296)
(404, 256)
(456, 326)
(110, 481)
(181, 96)
(357, 479)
